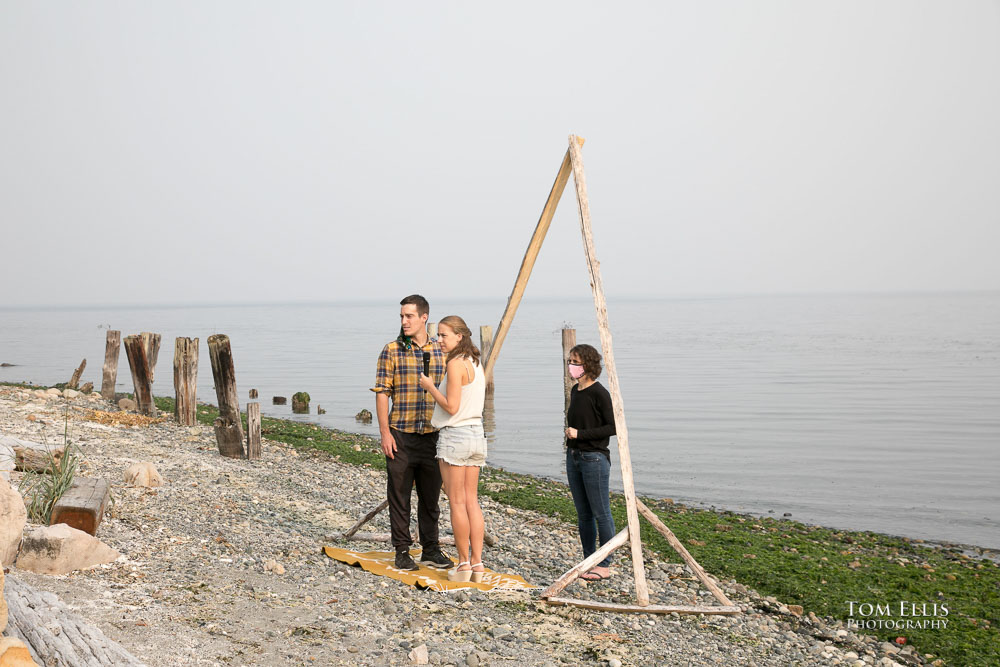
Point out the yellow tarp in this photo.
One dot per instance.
(382, 563)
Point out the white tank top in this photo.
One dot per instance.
(470, 408)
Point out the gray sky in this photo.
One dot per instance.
(186, 152)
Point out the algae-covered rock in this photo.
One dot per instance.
(300, 402)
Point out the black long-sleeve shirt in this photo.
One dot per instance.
(591, 414)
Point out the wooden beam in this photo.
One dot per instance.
(528, 262)
(587, 564)
(253, 430)
(485, 343)
(644, 609)
(679, 548)
(568, 343)
(621, 428)
(386, 537)
(112, 350)
(82, 505)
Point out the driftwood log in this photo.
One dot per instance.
(32, 455)
(56, 636)
(74, 382)
(112, 350)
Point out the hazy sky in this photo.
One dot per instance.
(179, 152)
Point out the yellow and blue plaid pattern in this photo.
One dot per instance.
(398, 376)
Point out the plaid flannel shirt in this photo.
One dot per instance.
(397, 375)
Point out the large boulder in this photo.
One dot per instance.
(13, 516)
(143, 474)
(13, 653)
(60, 549)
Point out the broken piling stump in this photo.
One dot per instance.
(112, 349)
(228, 426)
(142, 377)
(186, 381)
(74, 381)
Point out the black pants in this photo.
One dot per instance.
(414, 461)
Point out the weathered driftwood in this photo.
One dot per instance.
(352, 532)
(74, 382)
(644, 609)
(141, 375)
(112, 350)
(568, 343)
(607, 347)
(586, 564)
(386, 537)
(228, 427)
(683, 552)
(253, 393)
(349, 533)
(432, 329)
(151, 343)
(82, 505)
(530, 255)
(87, 387)
(186, 381)
(56, 636)
(32, 456)
(253, 430)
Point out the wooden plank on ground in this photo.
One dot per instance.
(644, 609)
(82, 506)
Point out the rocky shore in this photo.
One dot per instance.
(222, 565)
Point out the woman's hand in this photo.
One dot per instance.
(426, 383)
(571, 433)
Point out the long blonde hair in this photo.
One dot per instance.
(465, 348)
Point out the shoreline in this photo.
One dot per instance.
(758, 561)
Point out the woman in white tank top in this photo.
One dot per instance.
(461, 447)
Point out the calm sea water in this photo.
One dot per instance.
(874, 412)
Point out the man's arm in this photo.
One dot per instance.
(382, 412)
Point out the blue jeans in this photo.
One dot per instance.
(588, 474)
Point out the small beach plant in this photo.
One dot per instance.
(43, 489)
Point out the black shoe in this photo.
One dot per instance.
(434, 558)
(404, 562)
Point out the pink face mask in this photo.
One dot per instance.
(576, 371)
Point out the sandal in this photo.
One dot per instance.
(477, 577)
(590, 575)
(458, 574)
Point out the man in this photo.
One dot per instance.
(408, 439)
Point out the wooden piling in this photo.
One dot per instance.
(74, 382)
(151, 343)
(485, 344)
(568, 343)
(112, 350)
(432, 329)
(186, 381)
(253, 430)
(228, 427)
(141, 381)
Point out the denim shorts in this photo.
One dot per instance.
(462, 445)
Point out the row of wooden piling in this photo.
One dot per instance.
(142, 351)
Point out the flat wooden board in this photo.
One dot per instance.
(82, 506)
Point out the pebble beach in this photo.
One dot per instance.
(222, 565)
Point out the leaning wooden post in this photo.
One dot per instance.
(186, 381)
(228, 427)
(568, 343)
(74, 382)
(137, 363)
(528, 262)
(151, 343)
(432, 329)
(621, 428)
(112, 350)
(253, 427)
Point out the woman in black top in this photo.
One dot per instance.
(591, 423)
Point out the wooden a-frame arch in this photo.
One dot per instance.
(572, 164)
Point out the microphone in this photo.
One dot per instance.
(427, 364)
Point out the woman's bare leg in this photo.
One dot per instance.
(474, 513)
(457, 504)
